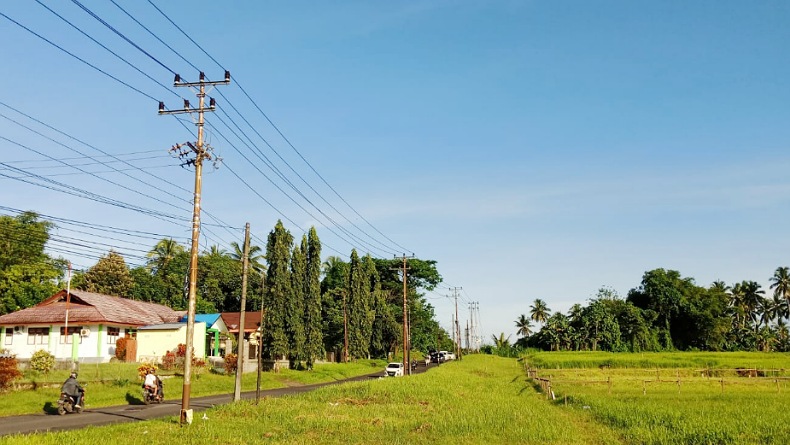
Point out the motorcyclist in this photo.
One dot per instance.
(152, 381)
(72, 388)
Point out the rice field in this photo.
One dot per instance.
(700, 399)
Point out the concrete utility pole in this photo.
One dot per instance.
(245, 262)
(456, 325)
(406, 343)
(468, 345)
(200, 153)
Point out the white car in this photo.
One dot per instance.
(447, 355)
(394, 370)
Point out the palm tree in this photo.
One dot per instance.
(162, 253)
(720, 286)
(524, 326)
(539, 312)
(215, 250)
(255, 257)
(752, 299)
(501, 342)
(330, 263)
(780, 283)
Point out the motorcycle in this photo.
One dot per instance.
(151, 395)
(67, 404)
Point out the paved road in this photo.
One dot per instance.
(130, 413)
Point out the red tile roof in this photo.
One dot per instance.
(89, 307)
(251, 321)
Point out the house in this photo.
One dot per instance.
(252, 321)
(81, 326)
(216, 333)
(154, 341)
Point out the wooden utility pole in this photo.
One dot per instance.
(345, 330)
(260, 343)
(406, 343)
(200, 152)
(245, 262)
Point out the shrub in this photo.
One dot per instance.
(231, 361)
(42, 361)
(9, 370)
(143, 369)
(169, 361)
(120, 348)
(181, 350)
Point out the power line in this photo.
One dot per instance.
(119, 34)
(108, 49)
(274, 126)
(77, 57)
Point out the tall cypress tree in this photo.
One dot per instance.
(278, 291)
(314, 339)
(356, 308)
(295, 304)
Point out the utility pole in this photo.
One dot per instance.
(456, 326)
(468, 345)
(345, 329)
(406, 343)
(200, 153)
(245, 262)
(260, 342)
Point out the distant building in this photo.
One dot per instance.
(95, 323)
(154, 341)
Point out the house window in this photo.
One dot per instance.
(112, 335)
(131, 332)
(9, 336)
(66, 339)
(37, 336)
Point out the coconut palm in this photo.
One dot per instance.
(720, 287)
(780, 283)
(752, 300)
(255, 257)
(539, 312)
(163, 252)
(501, 342)
(215, 250)
(330, 263)
(524, 326)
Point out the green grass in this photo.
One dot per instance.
(118, 383)
(698, 360)
(487, 399)
(680, 406)
(482, 399)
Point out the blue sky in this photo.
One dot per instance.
(533, 149)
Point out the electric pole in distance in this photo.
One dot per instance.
(199, 151)
(406, 342)
(456, 325)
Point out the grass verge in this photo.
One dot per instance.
(117, 384)
(482, 399)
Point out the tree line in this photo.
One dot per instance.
(309, 304)
(668, 312)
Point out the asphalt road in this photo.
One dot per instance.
(130, 413)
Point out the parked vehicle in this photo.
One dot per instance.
(447, 355)
(394, 370)
(67, 404)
